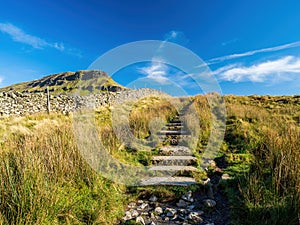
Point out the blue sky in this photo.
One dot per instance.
(251, 47)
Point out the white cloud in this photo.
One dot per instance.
(157, 71)
(172, 35)
(277, 70)
(249, 53)
(1, 80)
(18, 35)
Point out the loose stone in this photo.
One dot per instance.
(140, 219)
(153, 198)
(159, 210)
(209, 203)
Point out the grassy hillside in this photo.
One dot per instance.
(86, 80)
(44, 179)
(261, 152)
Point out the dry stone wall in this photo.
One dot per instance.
(16, 103)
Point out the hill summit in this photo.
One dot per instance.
(85, 80)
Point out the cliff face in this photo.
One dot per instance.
(85, 80)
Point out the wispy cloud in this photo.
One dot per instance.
(172, 35)
(18, 35)
(249, 53)
(281, 69)
(156, 71)
(1, 80)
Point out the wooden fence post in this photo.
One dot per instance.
(48, 100)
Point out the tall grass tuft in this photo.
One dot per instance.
(269, 192)
(44, 180)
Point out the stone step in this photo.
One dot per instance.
(174, 160)
(173, 132)
(170, 181)
(173, 139)
(174, 124)
(172, 127)
(173, 168)
(175, 150)
(176, 121)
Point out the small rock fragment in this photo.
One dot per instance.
(182, 203)
(153, 198)
(170, 212)
(140, 219)
(132, 205)
(209, 203)
(190, 207)
(134, 213)
(143, 206)
(188, 197)
(159, 210)
(127, 216)
(195, 217)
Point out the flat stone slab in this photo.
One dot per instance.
(171, 181)
(174, 157)
(173, 132)
(173, 168)
(174, 124)
(173, 127)
(175, 151)
(174, 160)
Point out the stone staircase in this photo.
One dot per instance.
(177, 163)
(204, 206)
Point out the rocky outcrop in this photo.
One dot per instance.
(89, 80)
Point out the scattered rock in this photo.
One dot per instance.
(140, 219)
(182, 204)
(195, 217)
(170, 212)
(159, 210)
(134, 213)
(132, 205)
(127, 216)
(142, 207)
(209, 203)
(153, 198)
(188, 197)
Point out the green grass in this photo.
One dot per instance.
(44, 179)
(263, 155)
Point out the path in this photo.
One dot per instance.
(177, 161)
(178, 164)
